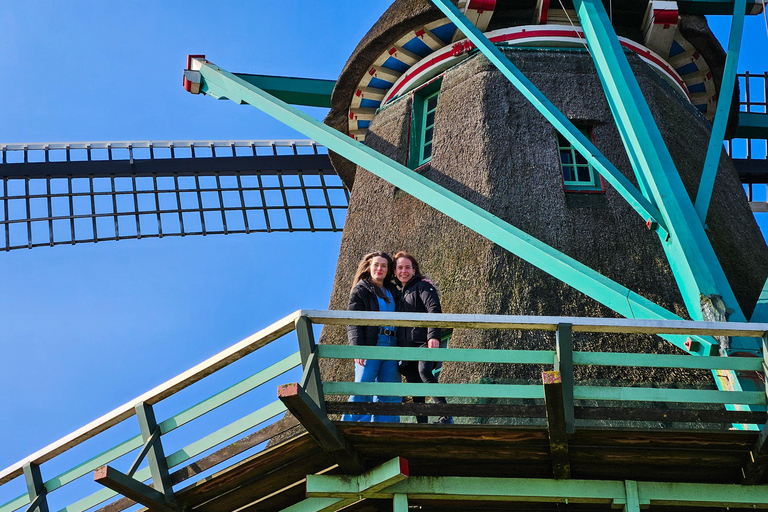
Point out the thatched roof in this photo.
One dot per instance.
(406, 15)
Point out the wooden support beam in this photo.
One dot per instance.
(320, 505)
(217, 457)
(368, 484)
(150, 433)
(131, 488)
(35, 488)
(646, 414)
(754, 472)
(564, 365)
(558, 436)
(310, 380)
(320, 427)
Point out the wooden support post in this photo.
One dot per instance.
(133, 489)
(564, 365)
(155, 455)
(312, 418)
(157, 499)
(310, 380)
(558, 436)
(35, 488)
(755, 469)
(633, 496)
(400, 503)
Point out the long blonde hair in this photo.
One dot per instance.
(364, 272)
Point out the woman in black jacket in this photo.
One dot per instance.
(417, 296)
(372, 290)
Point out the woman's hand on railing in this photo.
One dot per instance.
(361, 362)
(433, 343)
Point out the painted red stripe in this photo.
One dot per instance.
(452, 51)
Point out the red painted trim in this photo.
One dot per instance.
(664, 17)
(459, 48)
(481, 5)
(187, 83)
(544, 12)
(404, 470)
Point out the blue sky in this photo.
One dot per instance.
(87, 328)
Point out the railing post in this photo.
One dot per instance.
(306, 402)
(155, 455)
(310, 380)
(35, 488)
(400, 503)
(564, 365)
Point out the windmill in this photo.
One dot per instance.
(654, 221)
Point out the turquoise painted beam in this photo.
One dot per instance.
(714, 7)
(541, 490)
(752, 125)
(715, 148)
(371, 482)
(690, 255)
(221, 84)
(760, 313)
(581, 143)
(309, 92)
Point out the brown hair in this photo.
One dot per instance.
(364, 272)
(414, 263)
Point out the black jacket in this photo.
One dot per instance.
(418, 296)
(363, 298)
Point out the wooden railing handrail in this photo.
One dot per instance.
(168, 388)
(537, 323)
(340, 317)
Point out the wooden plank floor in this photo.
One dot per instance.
(274, 478)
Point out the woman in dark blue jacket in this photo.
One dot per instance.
(417, 296)
(372, 290)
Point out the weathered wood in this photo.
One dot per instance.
(564, 365)
(718, 418)
(435, 409)
(670, 415)
(754, 472)
(257, 476)
(536, 323)
(214, 459)
(314, 419)
(556, 421)
(271, 480)
(131, 488)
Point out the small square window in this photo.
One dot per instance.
(578, 175)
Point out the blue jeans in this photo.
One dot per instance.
(376, 371)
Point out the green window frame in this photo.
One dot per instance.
(578, 174)
(423, 124)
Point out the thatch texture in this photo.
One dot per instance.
(493, 148)
(406, 15)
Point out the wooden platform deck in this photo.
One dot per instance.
(275, 478)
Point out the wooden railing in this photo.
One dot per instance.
(90, 494)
